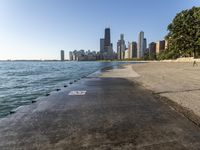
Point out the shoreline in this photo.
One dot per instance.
(117, 71)
(115, 112)
(57, 89)
(120, 73)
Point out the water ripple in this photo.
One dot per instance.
(21, 82)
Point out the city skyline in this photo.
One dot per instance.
(132, 51)
(30, 34)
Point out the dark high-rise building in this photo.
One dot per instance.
(107, 37)
(132, 50)
(107, 42)
(106, 47)
(160, 46)
(145, 45)
(101, 46)
(62, 55)
(152, 50)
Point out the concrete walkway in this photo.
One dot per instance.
(115, 113)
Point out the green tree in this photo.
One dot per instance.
(184, 35)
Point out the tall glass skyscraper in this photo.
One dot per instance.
(101, 46)
(121, 47)
(106, 47)
(107, 37)
(140, 49)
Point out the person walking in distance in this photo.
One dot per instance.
(195, 64)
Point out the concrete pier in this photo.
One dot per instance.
(115, 113)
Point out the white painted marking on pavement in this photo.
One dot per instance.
(77, 93)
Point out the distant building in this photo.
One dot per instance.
(98, 56)
(160, 46)
(102, 46)
(145, 45)
(152, 50)
(74, 55)
(81, 55)
(106, 47)
(91, 55)
(121, 47)
(141, 45)
(107, 42)
(70, 56)
(62, 55)
(126, 54)
(107, 37)
(132, 48)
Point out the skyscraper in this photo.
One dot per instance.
(145, 45)
(62, 55)
(106, 47)
(132, 50)
(121, 47)
(107, 42)
(140, 49)
(152, 50)
(107, 38)
(101, 46)
(160, 46)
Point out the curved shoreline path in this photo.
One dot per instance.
(110, 111)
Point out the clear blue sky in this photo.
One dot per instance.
(39, 29)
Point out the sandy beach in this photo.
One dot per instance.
(180, 82)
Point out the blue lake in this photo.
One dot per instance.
(23, 81)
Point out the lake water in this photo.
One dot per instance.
(21, 82)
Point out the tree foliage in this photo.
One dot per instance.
(184, 35)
